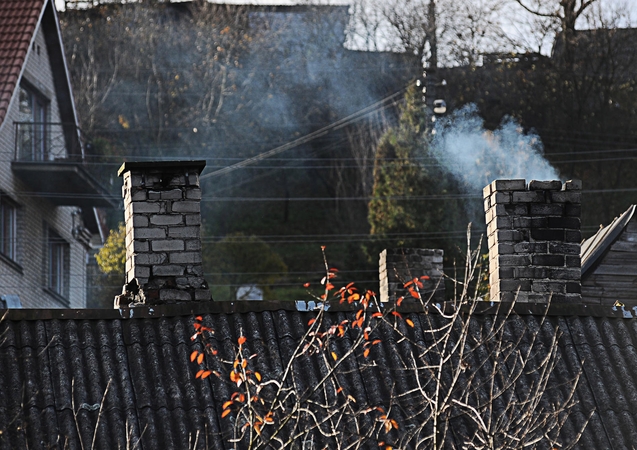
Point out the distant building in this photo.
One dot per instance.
(47, 198)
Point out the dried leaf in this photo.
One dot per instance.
(334, 356)
(257, 375)
(200, 358)
(306, 285)
(366, 353)
(242, 340)
(199, 318)
(199, 374)
(206, 374)
(399, 300)
(225, 413)
(409, 322)
(193, 355)
(226, 404)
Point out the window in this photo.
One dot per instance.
(58, 264)
(8, 228)
(33, 133)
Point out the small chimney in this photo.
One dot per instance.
(400, 265)
(163, 221)
(534, 240)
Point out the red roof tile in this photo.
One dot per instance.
(18, 21)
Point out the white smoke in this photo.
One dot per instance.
(477, 156)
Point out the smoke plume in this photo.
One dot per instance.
(477, 156)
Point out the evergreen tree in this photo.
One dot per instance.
(405, 210)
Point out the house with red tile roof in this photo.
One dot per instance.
(47, 197)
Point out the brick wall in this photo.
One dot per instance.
(27, 277)
(534, 240)
(399, 265)
(163, 220)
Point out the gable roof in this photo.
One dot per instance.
(596, 246)
(18, 22)
(59, 366)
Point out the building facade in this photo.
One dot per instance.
(47, 197)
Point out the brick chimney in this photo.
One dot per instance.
(163, 245)
(399, 265)
(534, 240)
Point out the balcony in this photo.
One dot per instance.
(49, 158)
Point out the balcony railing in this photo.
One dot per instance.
(49, 159)
(45, 141)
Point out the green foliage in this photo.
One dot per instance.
(237, 260)
(111, 258)
(404, 168)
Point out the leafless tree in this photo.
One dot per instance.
(453, 377)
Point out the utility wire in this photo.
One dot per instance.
(307, 138)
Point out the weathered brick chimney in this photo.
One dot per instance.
(534, 240)
(163, 245)
(399, 265)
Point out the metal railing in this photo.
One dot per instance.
(46, 141)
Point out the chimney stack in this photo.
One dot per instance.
(534, 240)
(399, 265)
(163, 245)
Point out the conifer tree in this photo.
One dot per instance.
(412, 202)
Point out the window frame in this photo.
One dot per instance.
(58, 265)
(8, 219)
(37, 146)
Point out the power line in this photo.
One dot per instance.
(307, 138)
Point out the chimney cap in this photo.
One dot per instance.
(160, 165)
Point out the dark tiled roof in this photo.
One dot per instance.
(18, 22)
(57, 367)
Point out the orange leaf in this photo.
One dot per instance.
(376, 341)
(225, 413)
(199, 374)
(339, 390)
(196, 325)
(329, 286)
(424, 277)
(322, 296)
(226, 404)
(306, 285)
(409, 322)
(200, 358)
(366, 353)
(205, 374)
(311, 321)
(199, 318)
(400, 300)
(397, 314)
(334, 356)
(244, 363)
(377, 314)
(409, 283)
(413, 293)
(257, 375)
(242, 340)
(193, 355)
